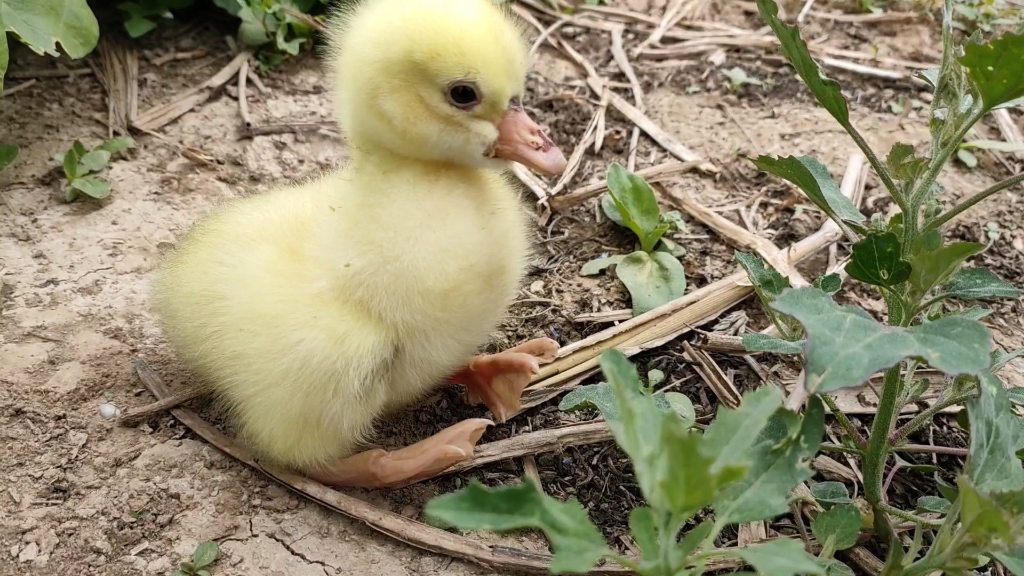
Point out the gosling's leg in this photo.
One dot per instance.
(498, 380)
(424, 459)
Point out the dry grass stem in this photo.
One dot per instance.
(159, 116)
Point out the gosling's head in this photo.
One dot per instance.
(437, 80)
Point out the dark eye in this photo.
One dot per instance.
(463, 95)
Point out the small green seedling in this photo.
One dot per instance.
(204, 556)
(738, 78)
(276, 28)
(653, 274)
(81, 165)
(8, 154)
(965, 155)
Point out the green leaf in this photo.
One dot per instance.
(932, 268)
(576, 542)
(600, 396)
(1012, 561)
(5, 54)
(997, 68)
(652, 279)
(638, 206)
(779, 464)
(995, 438)
(978, 284)
(79, 149)
(44, 24)
(905, 166)
(831, 493)
(935, 504)
(94, 161)
(679, 404)
(8, 152)
(981, 516)
(845, 346)
(997, 145)
(767, 282)
(757, 342)
(735, 431)
(206, 554)
(116, 144)
(203, 572)
(829, 283)
(92, 186)
(834, 567)
(597, 265)
(693, 539)
(969, 159)
(137, 26)
(642, 525)
(826, 90)
(1000, 358)
(842, 523)
(1016, 395)
(782, 557)
(70, 164)
(876, 260)
(813, 178)
(611, 211)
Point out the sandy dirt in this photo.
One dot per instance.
(83, 495)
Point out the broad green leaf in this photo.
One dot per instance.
(116, 144)
(978, 284)
(576, 542)
(841, 523)
(845, 346)
(829, 283)
(92, 186)
(652, 279)
(834, 567)
(995, 437)
(981, 516)
(997, 68)
(597, 265)
(137, 26)
(734, 431)
(8, 152)
(600, 396)
(782, 557)
(678, 403)
(876, 260)
(79, 148)
(767, 282)
(643, 527)
(905, 166)
(813, 178)
(969, 159)
(94, 161)
(205, 554)
(1012, 561)
(936, 504)
(637, 205)
(757, 342)
(70, 164)
(44, 24)
(688, 545)
(778, 465)
(972, 313)
(611, 211)
(831, 493)
(826, 90)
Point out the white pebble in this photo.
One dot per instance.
(109, 411)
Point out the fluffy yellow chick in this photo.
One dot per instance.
(313, 310)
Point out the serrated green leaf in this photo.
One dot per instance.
(70, 165)
(997, 68)
(43, 25)
(600, 396)
(92, 186)
(597, 265)
(576, 542)
(932, 268)
(8, 152)
(779, 464)
(826, 90)
(652, 279)
(841, 523)
(782, 557)
(995, 437)
(813, 178)
(936, 504)
(116, 144)
(93, 161)
(205, 554)
(829, 283)
(757, 342)
(643, 527)
(767, 282)
(831, 493)
(845, 346)
(876, 260)
(978, 284)
(637, 205)
(905, 166)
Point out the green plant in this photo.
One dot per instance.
(653, 274)
(277, 28)
(42, 24)
(916, 272)
(8, 154)
(738, 78)
(965, 155)
(81, 165)
(743, 466)
(985, 15)
(204, 556)
(140, 16)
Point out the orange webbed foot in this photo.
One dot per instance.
(498, 380)
(424, 459)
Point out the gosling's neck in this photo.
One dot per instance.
(376, 161)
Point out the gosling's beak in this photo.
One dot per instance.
(521, 140)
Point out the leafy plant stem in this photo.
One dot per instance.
(967, 204)
(928, 303)
(880, 170)
(844, 421)
(877, 452)
(926, 415)
(904, 515)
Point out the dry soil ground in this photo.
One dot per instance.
(82, 495)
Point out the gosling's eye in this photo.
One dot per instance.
(463, 95)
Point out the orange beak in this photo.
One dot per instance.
(521, 140)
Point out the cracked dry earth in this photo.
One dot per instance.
(82, 495)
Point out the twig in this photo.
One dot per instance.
(18, 88)
(549, 440)
(133, 416)
(63, 73)
(177, 56)
(326, 128)
(657, 173)
(576, 158)
(243, 103)
(619, 55)
(713, 376)
(804, 11)
(666, 22)
(1008, 128)
(159, 116)
(531, 181)
(530, 471)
